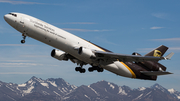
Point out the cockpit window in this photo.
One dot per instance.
(13, 14)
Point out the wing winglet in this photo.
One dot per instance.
(154, 73)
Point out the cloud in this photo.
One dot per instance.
(19, 64)
(168, 39)
(164, 16)
(85, 23)
(156, 27)
(8, 60)
(144, 50)
(25, 3)
(160, 15)
(34, 56)
(175, 49)
(84, 30)
(18, 2)
(104, 40)
(19, 73)
(16, 45)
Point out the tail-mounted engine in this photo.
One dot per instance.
(154, 66)
(151, 65)
(135, 53)
(59, 55)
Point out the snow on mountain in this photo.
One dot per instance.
(172, 90)
(52, 83)
(60, 90)
(111, 85)
(22, 85)
(175, 93)
(157, 86)
(141, 88)
(30, 81)
(93, 90)
(121, 91)
(29, 90)
(59, 86)
(45, 85)
(139, 97)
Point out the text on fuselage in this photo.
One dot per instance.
(45, 28)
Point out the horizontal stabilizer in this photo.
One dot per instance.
(154, 73)
(168, 57)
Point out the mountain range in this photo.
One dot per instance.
(37, 89)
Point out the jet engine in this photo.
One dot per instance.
(59, 55)
(86, 53)
(135, 53)
(154, 66)
(151, 65)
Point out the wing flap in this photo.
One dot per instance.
(155, 73)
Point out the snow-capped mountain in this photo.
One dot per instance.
(35, 87)
(175, 93)
(59, 90)
(47, 87)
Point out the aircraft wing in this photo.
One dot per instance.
(126, 58)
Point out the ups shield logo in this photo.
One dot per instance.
(157, 53)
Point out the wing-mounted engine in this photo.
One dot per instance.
(59, 55)
(86, 53)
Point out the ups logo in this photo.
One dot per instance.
(157, 53)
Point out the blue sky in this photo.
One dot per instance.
(122, 26)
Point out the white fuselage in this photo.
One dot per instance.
(62, 40)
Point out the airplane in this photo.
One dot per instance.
(83, 52)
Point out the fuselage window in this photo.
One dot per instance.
(13, 14)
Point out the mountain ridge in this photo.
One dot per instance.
(59, 90)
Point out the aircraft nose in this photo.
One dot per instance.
(11, 19)
(7, 18)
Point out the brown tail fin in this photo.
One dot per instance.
(158, 51)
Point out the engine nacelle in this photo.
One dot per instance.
(59, 54)
(135, 53)
(154, 66)
(151, 65)
(86, 53)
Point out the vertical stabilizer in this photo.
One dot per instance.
(158, 52)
